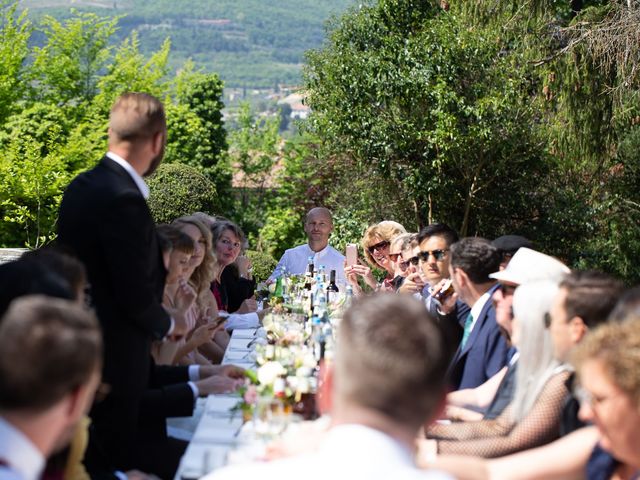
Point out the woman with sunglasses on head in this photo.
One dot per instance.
(375, 244)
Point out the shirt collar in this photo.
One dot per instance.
(318, 254)
(135, 176)
(19, 452)
(480, 303)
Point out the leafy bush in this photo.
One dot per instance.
(263, 264)
(30, 191)
(177, 190)
(282, 230)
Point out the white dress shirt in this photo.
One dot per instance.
(24, 460)
(478, 306)
(295, 262)
(348, 451)
(139, 181)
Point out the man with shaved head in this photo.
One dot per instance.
(318, 225)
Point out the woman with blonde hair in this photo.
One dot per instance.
(375, 245)
(200, 274)
(533, 417)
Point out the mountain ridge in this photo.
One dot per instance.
(248, 43)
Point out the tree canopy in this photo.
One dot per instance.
(54, 107)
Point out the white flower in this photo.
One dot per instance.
(268, 372)
(304, 372)
(309, 360)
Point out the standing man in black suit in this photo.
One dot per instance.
(105, 219)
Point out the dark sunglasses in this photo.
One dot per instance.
(437, 254)
(379, 246)
(507, 289)
(412, 260)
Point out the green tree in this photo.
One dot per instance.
(253, 153)
(67, 68)
(131, 71)
(442, 110)
(15, 31)
(54, 108)
(31, 190)
(202, 93)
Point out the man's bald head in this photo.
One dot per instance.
(318, 225)
(136, 116)
(319, 212)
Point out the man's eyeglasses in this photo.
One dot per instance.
(394, 257)
(437, 254)
(379, 246)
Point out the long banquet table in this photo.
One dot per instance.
(216, 428)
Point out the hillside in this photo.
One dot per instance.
(250, 43)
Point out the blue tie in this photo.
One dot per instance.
(468, 323)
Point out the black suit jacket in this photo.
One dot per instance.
(168, 395)
(106, 221)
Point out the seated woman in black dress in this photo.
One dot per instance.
(232, 284)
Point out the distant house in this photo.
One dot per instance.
(298, 108)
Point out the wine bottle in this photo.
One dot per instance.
(332, 288)
(308, 275)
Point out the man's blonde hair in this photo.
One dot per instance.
(136, 115)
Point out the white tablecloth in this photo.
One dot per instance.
(213, 429)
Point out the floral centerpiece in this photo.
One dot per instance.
(285, 373)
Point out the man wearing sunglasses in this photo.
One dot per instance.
(431, 259)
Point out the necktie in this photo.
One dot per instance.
(468, 323)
